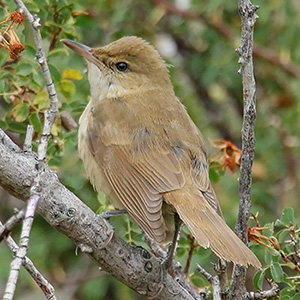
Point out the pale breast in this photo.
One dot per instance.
(93, 171)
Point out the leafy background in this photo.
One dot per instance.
(200, 45)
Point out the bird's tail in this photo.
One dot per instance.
(210, 230)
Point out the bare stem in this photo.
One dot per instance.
(248, 15)
(41, 281)
(27, 147)
(11, 222)
(214, 281)
(273, 292)
(35, 190)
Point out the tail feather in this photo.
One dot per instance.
(210, 230)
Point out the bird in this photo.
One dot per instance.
(141, 149)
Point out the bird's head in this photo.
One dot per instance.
(126, 65)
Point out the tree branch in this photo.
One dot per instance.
(248, 15)
(214, 281)
(12, 221)
(273, 292)
(49, 117)
(132, 265)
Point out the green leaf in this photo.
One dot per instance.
(38, 79)
(41, 99)
(258, 280)
(277, 272)
(287, 217)
(198, 281)
(5, 75)
(58, 52)
(24, 69)
(3, 86)
(55, 74)
(20, 112)
(72, 74)
(29, 55)
(3, 57)
(287, 292)
(183, 241)
(215, 171)
(16, 127)
(33, 7)
(24, 80)
(203, 253)
(268, 256)
(68, 88)
(282, 235)
(270, 231)
(35, 120)
(70, 29)
(3, 125)
(286, 298)
(52, 24)
(180, 252)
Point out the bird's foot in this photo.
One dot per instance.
(112, 213)
(169, 265)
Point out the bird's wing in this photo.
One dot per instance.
(138, 176)
(200, 175)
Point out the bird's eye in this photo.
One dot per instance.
(122, 66)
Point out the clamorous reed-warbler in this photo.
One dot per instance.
(140, 147)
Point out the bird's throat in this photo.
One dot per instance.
(103, 84)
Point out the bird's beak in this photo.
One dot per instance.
(82, 50)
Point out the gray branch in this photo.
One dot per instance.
(40, 57)
(38, 277)
(132, 265)
(273, 292)
(49, 117)
(11, 222)
(248, 16)
(214, 281)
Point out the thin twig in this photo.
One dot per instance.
(49, 118)
(221, 268)
(67, 121)
(11, 222)
(22, 249)
(248, 16)
(193, 245)
(178, 275)
(213, 280)
(273, 292)
(40, 280)
(156, 248)
(27, 147)
(294, 243)
(40, 57)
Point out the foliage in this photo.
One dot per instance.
(205, 79)
(281, 255)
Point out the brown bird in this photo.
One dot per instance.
(140, 147)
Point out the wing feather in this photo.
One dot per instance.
(138, 180)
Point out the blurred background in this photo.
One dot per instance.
(198, 40)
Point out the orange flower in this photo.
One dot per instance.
(10, 41)
(229, 154)
(254, 235)
(16, 17)
(8, 38)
